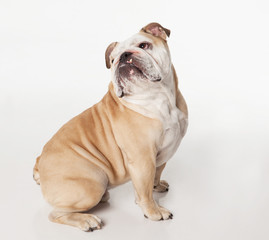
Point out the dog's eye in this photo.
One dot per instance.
(144, 45)
(112, 60)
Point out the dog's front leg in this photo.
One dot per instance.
(142, 173)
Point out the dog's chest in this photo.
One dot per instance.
(174, 127)
(174, 122)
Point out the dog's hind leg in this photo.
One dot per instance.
(73, 198)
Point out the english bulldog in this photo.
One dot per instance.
(129, 135)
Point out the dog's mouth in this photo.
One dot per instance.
(132, 70)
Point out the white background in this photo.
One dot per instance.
(52, 67)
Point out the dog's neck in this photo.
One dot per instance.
(155, 102)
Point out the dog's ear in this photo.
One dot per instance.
(156, 30)
(108, 53)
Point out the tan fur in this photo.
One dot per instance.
(100, 148)
(36, 171)
(108, 52)
(180, 101)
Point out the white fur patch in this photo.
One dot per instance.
(159, 103)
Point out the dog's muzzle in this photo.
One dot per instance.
(131, 64)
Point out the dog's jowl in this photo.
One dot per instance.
(129, 135)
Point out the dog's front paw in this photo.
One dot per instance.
(162, 186)
(155, 212)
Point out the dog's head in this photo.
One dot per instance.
(140, 62)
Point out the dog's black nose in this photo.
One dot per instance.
(125, 56)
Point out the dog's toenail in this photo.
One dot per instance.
(145, 216)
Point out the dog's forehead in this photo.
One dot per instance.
(133, 41)
(137, 38)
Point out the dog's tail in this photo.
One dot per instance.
(36, 171)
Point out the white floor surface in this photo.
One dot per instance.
(218, 190)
